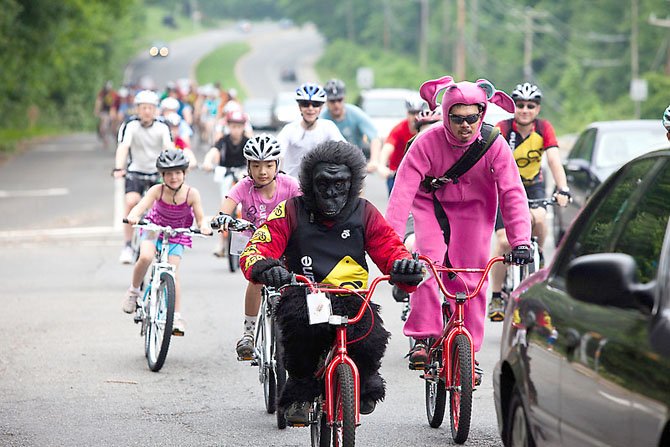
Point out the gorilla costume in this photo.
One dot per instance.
(325, 235)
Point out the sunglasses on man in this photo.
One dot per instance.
(528, 105)
(470, 119)
(305, 103)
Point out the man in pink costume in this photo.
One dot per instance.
(470, 203)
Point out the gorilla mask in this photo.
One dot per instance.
(332, 183)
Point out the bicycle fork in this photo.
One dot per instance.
(339, 357)
(456, 327)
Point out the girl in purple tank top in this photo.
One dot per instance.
(258, 194)
(174, 204)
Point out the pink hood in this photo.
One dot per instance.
(479, 92)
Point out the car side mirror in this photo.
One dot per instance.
(608, 279)
(576, 165)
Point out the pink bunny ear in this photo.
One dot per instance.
(430, 89)
(497, 97)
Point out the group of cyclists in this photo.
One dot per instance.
(302, 188)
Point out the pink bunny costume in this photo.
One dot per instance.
(470, 205)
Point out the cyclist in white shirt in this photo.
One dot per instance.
(141, 140)
(302, 135)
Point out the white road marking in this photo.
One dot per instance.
(4, 194)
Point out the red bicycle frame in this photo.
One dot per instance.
(338, 353)
(455, 324)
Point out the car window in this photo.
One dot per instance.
(630, 219)
(583, 148)
(616, 147)
(385, 107)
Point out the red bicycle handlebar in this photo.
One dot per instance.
(441, 269)
(366, 294)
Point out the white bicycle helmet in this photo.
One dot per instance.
(415, 104)
(263, 147)
(666, 118)
(527, 92)
(427, 116)
(146, 97)
(173, 119)
(170, 103)
(310, 92)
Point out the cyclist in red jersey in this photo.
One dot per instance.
(393, 149)
(530, 138)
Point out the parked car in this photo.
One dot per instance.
(585, 348)
(385, 106)
(284, 109)
(602, 148)
(260, 112)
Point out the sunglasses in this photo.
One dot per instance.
(336, 100)
(305, 103)
(528, 105)
(470, 119)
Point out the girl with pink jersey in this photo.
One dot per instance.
(259, 194)
(469, 204)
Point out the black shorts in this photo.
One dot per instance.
(535, 191)
(140, 182)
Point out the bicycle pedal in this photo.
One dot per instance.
(177, 333)
(244, 359)
(137, 319)
(417, 366)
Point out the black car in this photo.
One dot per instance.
(585, 349)
(601, 149)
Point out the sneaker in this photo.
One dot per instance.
(479, 373)
(367, 406)
(127, 255)
(418, 355)
(497, 309)
(178, 325)
(220, 252)
(129, 303)
(245, 347)
(298, 413)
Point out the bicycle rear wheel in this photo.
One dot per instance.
(460, 393)
(159, 328)
(436, 391)
(344, 425)
(266, 344)
(280, 374)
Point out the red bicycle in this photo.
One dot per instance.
(451, 357)
(337, 410)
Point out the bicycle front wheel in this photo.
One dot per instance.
(460, 393)
(266, 349)
(344, 422)
(159, 328)
(436, 391)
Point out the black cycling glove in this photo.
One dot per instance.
(407, 271)
(276, 277)
(521, 255)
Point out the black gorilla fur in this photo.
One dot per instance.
(305, 345)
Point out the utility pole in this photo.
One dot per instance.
(531, 27)
(446, 29)
(387, 25)
(423, 38)
(459, 57)
(634, 56)
(665, 23)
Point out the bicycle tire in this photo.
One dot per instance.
(158, 339)
(265, 363)
(436, 392)
(280, 376)
(460, 394)
(319, 430)
(344, 426)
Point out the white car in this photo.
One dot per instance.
(284, 109)
(386, 107)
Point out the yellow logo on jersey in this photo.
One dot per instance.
(250, 249)
(251, 260)
(348, 274)
(279, 212)
(261, 235)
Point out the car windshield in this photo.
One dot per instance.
(376, 107)
(620, 146)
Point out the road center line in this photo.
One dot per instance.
(4, 194)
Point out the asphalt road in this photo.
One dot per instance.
(72, 366)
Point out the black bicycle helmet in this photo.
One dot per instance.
(172, 160)
(335, 89)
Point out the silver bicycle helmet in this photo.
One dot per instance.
(415, 104)
(666, 118)
(310, 92)
(335, 89)
(427, 116)
(171, 160)
(527, 92)
(263, 147)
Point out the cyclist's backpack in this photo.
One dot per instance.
(460, 167)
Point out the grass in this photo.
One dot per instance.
(219, 66)
(10, 139)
